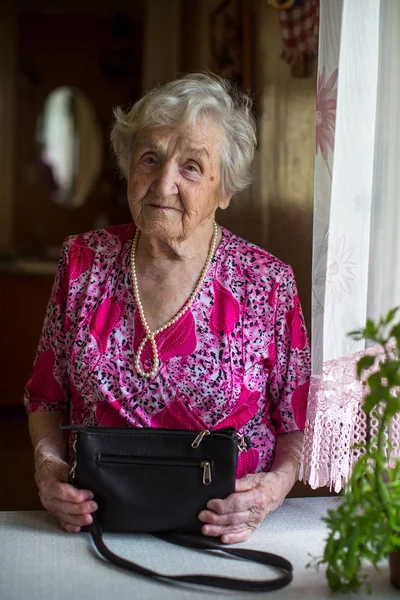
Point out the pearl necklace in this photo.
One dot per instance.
(151, 335)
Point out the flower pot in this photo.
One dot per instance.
(394, 565)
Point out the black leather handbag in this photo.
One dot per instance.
(157, 481)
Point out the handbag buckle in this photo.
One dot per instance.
(243, 442)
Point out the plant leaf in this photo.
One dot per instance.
(357, 334)
(365, 362)
(390, 316)
(395, 332)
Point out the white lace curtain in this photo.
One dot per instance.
(356, 252)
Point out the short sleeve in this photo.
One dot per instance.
(289, 379)
(47, 388)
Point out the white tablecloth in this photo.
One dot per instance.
(38, 561)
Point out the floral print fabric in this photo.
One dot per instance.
(239, 357)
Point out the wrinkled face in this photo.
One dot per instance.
(174, 180)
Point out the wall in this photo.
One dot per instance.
(7, 116)
(162, 42)
(285, 184)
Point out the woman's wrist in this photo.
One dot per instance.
(47, 438)
(285, 479)
(49, 448)
(287, 459)
(49, 462)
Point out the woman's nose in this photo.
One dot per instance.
(165, 183)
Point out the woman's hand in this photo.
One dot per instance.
(72, 507)
(235, 518)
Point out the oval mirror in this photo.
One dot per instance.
(70, 146)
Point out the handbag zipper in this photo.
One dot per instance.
(243, 441)
(112, 459)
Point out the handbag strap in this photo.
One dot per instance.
(247, 585)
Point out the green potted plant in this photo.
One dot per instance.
(366, 525)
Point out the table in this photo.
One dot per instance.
(38, 561)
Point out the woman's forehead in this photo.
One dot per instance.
(201, 138)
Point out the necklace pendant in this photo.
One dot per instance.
(156, 363)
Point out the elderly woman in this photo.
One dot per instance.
(171, 320)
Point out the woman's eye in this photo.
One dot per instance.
(149, 160)
(192, 168)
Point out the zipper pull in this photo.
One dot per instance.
(199, 438)
(205, 465)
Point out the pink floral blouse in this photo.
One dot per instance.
(239, 357)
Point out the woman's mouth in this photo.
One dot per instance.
(158, 207)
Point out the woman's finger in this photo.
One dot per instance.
(67, 492)
(52, 497)
(212, 518)
(68, 527)
(235, 538)
(228, 530)
(51, 493)
(76, 520)
(218, 525)
(72, 508)
(238, 502)
(249, 482)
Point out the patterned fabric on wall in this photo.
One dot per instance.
(299, 26)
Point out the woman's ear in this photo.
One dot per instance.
(224, 202)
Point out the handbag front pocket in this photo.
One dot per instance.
(152, 493)
(204, 466)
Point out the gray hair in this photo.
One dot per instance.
(181, 102)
